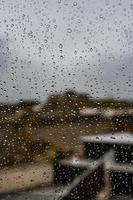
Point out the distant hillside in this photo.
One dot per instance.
(72, 100)
(66, 101)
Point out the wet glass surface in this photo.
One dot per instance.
(66, 99)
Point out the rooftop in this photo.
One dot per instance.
(113, 138)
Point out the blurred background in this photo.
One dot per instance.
(65, 72)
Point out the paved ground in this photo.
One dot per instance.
(24, 177)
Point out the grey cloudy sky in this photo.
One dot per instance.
(52, 45)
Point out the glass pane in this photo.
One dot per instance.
(66, 99)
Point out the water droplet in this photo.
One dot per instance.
(60, 46)
(75, 4)
(69, 30)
